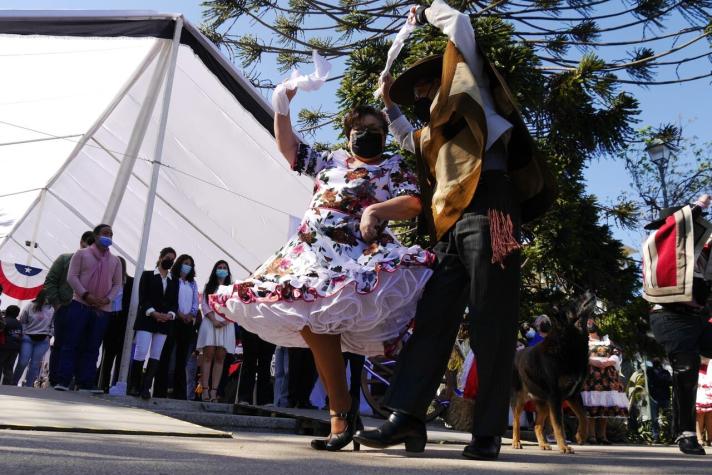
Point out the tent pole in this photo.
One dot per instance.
(120, 388)
(136, 139)
(92, 130)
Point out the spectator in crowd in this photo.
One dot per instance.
(184, 326)
(703, 405)
(603, 392)
(59, 294)
(256, 362)
(355, 365)
(114, 338)
(157, 307)
(281, 376)
(12, 333)
(216, 336)
(36, 320)
(301, 378)
(659, 384)
(95, 276)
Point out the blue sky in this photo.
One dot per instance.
(688, 104)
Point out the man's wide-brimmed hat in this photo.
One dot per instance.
(664, 214)
(426, 68)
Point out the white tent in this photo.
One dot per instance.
(135, 119)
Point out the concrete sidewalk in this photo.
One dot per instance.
(70, 411)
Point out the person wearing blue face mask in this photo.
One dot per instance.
(182, 337)
(216, 337)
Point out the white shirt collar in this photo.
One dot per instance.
(158, 272)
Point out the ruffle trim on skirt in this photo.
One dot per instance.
(607, 401)
(365, 321)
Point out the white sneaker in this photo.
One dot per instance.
(60, 387)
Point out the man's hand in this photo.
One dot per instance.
(92, 301)
(386, 89)
(369, 225)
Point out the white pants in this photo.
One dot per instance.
(144, 341)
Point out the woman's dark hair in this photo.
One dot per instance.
(98, 229)
(212, 284)
(39, 301)
(355, 115)
(164, 252)
(175, 270)
(123, 268)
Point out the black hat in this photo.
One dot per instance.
(664, 214)
(426, 68)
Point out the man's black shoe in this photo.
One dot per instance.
(483, 448)
(690, 446)
(398, 429)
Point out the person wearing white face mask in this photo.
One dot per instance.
(182, 335)
(216, 337)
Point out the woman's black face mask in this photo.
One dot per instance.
(366, 143)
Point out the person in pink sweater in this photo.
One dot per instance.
(95, 276)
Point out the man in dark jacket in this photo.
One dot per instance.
(13, 341)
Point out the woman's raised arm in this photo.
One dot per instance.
(287, 141)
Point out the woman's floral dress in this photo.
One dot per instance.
(603, 392)
(326, 277)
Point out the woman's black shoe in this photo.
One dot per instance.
(338, 441)
(690, 446)
(483, 448)
(398, 429)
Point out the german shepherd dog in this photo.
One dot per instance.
(552, 372)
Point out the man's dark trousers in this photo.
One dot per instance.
(465, 275)
(685, 335)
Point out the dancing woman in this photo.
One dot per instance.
(344, 282)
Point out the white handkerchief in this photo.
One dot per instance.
(395, 50)
(310, 82)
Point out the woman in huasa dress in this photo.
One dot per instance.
(603, 392)
(343, 282)
(703, 405)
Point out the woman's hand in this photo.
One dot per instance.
(369, 224)
(291, 93)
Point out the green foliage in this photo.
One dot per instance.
(679, 177)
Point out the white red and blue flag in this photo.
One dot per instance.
(21, 282)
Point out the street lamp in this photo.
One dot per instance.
(660, 153)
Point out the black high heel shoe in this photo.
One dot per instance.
(338, 441)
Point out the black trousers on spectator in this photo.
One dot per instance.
(257, 358)
(465, 275)
(174, 356)
(7, 363)
(60, 330)
(112, 346)
(685, 336)
(301, 376)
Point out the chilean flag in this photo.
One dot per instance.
(21, 282)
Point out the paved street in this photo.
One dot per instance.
(76, 433)
(60, 453)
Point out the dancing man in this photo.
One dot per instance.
(479, 179)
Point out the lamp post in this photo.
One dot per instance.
(660, 153)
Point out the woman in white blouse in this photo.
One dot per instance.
(216, 336)
(36, 320)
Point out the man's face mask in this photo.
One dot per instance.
(366, 143)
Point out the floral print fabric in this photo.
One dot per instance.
(603, 391)
(327, 256)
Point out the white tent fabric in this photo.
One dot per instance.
(223, 190)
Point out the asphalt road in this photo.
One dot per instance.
(35, 452)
